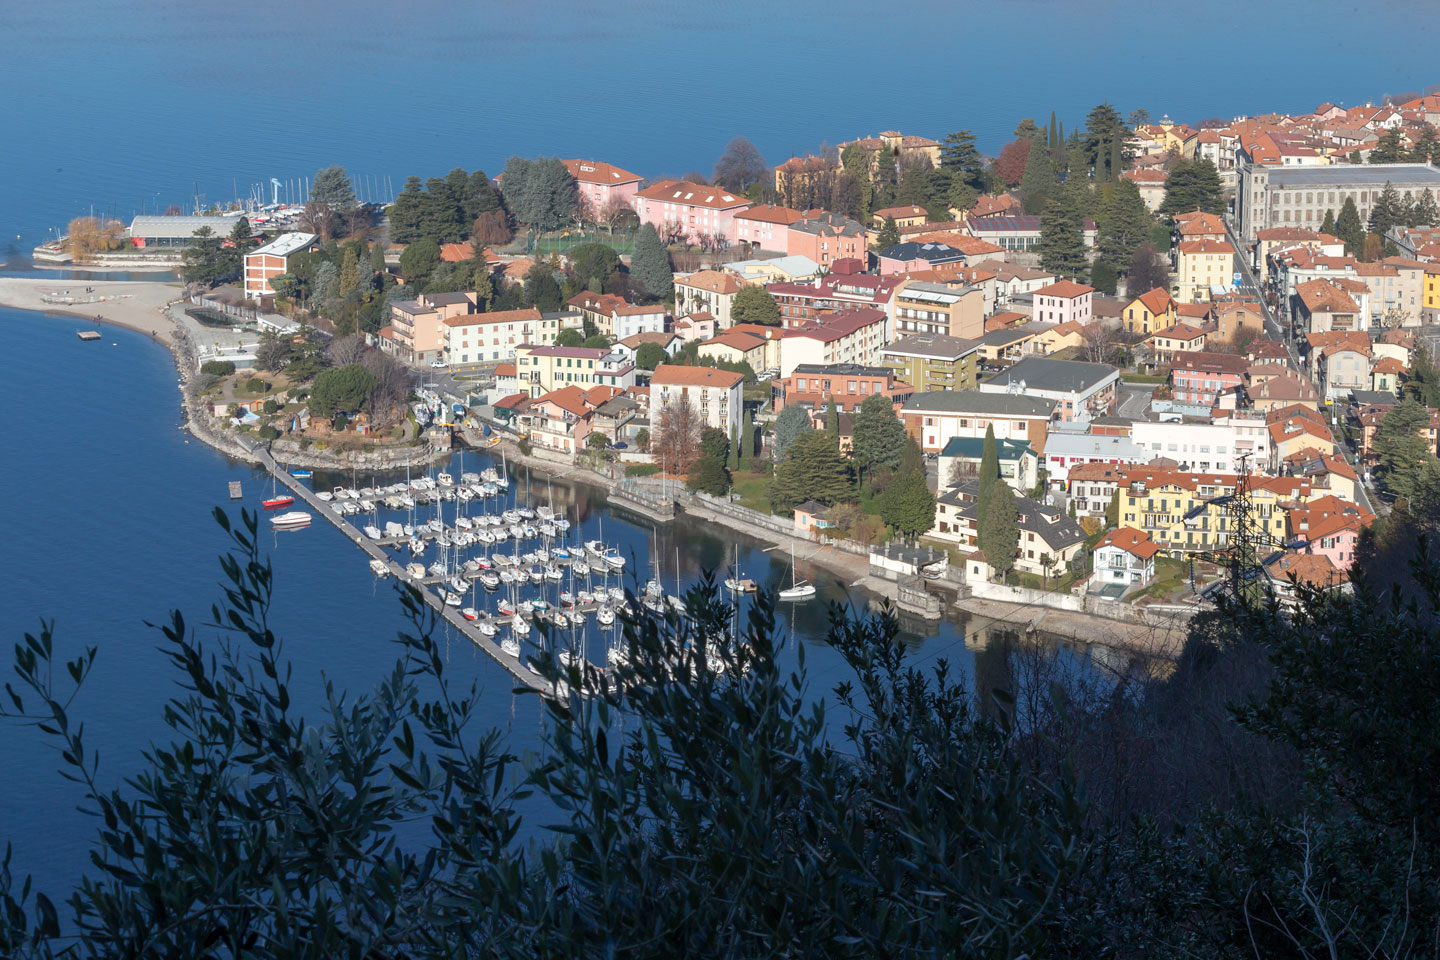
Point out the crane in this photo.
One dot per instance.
(274, 192)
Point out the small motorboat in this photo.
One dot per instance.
(470, 613)
(490, 580)
(372, 532)
(302, 474)
(378, 568)
(605, 616)
(613, 560)
(275, 503)
(520, 626)
(291, 520)
(487, 628)
(415, 571)
(452, 599)
(506, 608)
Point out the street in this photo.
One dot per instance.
(1134, 400)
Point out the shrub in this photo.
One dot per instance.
(270, 406)
(218, 368)
(641, 469)
(256, 385)
(268, 432)
(341, 421)
(525, 447)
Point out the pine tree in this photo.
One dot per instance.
(1328, 224)
(1388, 210)
(1192, 185)
(650, 264)
(907, 504)
(1000, 534)
(879, 436)
(1401, 450)
(989, 468)
(734, 458)
(349, 271)
(1124, 223)
(1103, 126)
(1424, 213)
(746, 446)
(1117, 159)
(1060, 153)
(1389, 149)
(1062, 240)
(1104, 277)
(813, 469)
(1038, 182)
(889, 235)
(1349, 229)
(832, 422)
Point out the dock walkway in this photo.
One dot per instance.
(513, 665)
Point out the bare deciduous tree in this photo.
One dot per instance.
(347, 350)
(1095, 343)
(676, 444)
(393, 381)
(320, 219)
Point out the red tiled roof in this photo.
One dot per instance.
(1156, 300)
(769, 213)
(693, 195)
(713, 280)
(668, 374)
(1204, 246)
(499, 316)
(595, 171)
(1130, 540)
(1065, 289)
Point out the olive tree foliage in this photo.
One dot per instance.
(260, 832)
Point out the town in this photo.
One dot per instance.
(1135, 363)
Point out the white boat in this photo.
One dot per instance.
(581, 568)
(605, 616)
(372, 532)
(470, 613)
(617, 594)
(509, 646)
(520, 625)
(446, 479)
(415, 571)
(505, 608)
(378, 568)
(325, 495)
(595, 548)
(367, 506)
(553, 572)
(291, 519)
(487, 628)
(798, 589)
(507, 576)
(562, 524)
(462, 523)
(544, 513)
(613, 559)
(490, 580)
(452, 599)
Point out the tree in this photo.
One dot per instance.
(87, 236)
(1192, 185)
(1401, 449)
(709, 475)
(1103, 278)
(857, 164)
(541, 291)
(491, 229)
(960, 159)
(1426, 148)
(650, 264)
(597, 342)
(1103, 128)
(714, 442)
(1062, 240)
(1027, 130)
(754, 304)
(1388, 210)
(540, 193)
(745, 445)
(1138, 117)
(572, 338)
(792, 421)
(341, 390)
(331, 186)
(740, 165)
(813, 469)
(1000, 534)
(1424, 214)
(1148, 270)
(419, 260)
(1124, 223)
(642, 439)
(649, 356)
(1389, 149)
(1014, 157)
(879, 436)
(907, 504)
(594, 261)
(989, 470)
(888, 236)
(676, 443)
(832, 422)
(1038, 182)
(1328, 224)
(1349, 229)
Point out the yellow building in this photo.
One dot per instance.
(933, 362)
(542, 369)
(1059, 337)
(1430, 304)
(1178, 508)
(1151, 311)
(1201, 266)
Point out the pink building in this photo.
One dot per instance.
(602, 185)
(826, 237)
(695, 326)
(689, 209)
(766, 226)
(1063, 302)
(1207, 379)
(1330, 527)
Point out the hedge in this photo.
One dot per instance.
(219, 368)
(641, 469)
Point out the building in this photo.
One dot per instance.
(1208, 379)
(1299, 196)
(602, 186)
(1150, 311)
(1065, 450)
(475, 338)
(1064, 302)
(737, 347)
(907, 216)
(799, 175)
(668, 342)
(1002, 347)
(1012, 280)
(933, 418)
(933, 362)
(848, 385)
(596, 308)
(713, 393)
(1047, 539)
(1276, 238)
(1237, 320)
(1202, 268)
(418, 326)
(1125, 556)
(845, 287)
(1020, 234)
(1322, 306)
(1092, 487)
(1199, 225)
(1150, 184)
(961, 458)
(851, 336)
(1180, 337)
(631, 319)
(271, 260)
(689, 210)
(773, 270)
(1081, 391)
(921, 307)
(766, 227)
(827, 237)
(1223, 445)
(149, 231)
(1339, 362)
(906, 257)
(893, 147)
(709, 291)
(543, 369)
(696, 326)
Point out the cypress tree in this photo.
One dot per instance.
(651, 264)
(989, 468)
(832, 422)
(1000, 534)
(1328, 225)
(1117, 158)
(1038, 182)
(734, 457)
(1051, 139)
(747, 436)
(1349, 229)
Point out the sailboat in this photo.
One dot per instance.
(276, 500)
(798, 589)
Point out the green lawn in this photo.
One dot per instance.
(749, 490)
(1060, 584)
(757, 392)
(1142, 378)
(1171, 573)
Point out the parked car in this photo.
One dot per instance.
(622, 445)
(439, 364)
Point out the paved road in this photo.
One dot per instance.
(1134, 401)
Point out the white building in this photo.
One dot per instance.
(628, 321)
(713, 393)
(1125, 556)
(1064, 450)
(1215, 447)
(1081, 391)
(852, 336)
(272, 260)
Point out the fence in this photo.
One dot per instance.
(745, 515)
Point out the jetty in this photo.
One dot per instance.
(372, 548)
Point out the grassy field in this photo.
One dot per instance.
(1171, 573)
(749, 490)
(1142, 378)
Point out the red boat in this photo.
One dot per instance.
(275, 503)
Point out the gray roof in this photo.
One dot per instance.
(285, 244)
(181, 227)
(1094, 445)
(973, 401)
(1346, 175)
(1050, 525)
(830, 224)
(932, 252)
(1022, 331)
(1045, 373)
(843, 369)
(931, 345)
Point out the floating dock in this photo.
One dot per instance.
(235, 493)
(88, 334)
(451, 615)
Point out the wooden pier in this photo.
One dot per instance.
(451, 615)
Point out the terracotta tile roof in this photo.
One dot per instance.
(1323, 296)
(1156, 300)
(1204, 246)
(1294, 411)
(910, 210)
(1286, 386)
(1146, 176)
(1193, 311)
(744, 342)
(1333, 341)
(525, 315)
(1202, 224)
(1095, 473)
(570, 399)
(1314, 569)
(834, 326)
(669, 374)
(1065, 289)
(1390, 365)
(966, 244)
(1284, 430)
(1199, 362)
(456, 252)
(769, 213)
(636, 339)
(637, 310)
(693, 195)
(505, 370)
(595, 171)
(713, 281)
(1000, 321)
(1130, 540)
(1179, 331)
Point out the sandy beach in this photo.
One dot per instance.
(135, 304)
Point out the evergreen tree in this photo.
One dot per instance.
(1328, 224)
(889, 235)
(961, 159)
(746, 447)
(1388, 210)
(1424, 214)
(813, 469)
(1389, 149)
(1148, 270)
(1349, 229)
(879, 436)
(754, 304)
(857, 164)
(1038, 182)
(1401, 449)
(650, 264)
(1061, 152)
(1027, 130)
(907, 504)
(331, 187)
(1062, 240)
(989, 469)
(480, 196)
(913, 458)
(1192, 185)
(1054, 138)
(1103, 127)
(541, 290)
(349, 272)
(1424, 382)
(419, 260)
(999, 535)
(1116, 161)
(1124, 223)
(1426, 149)
(791, 422)
(407, 213)
(832, 422)
(1104, 278)
(709, 475)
